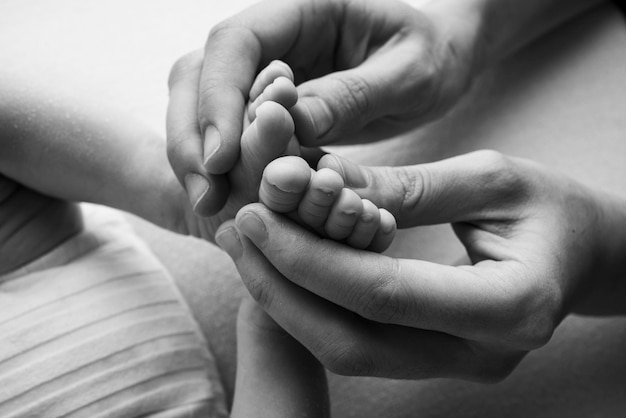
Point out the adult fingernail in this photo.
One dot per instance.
(212, 142)
(229, 241)
(251, 225)
(320, 116)
(196, 186)
(353, 175)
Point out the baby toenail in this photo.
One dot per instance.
(367, 218)
(326, 191)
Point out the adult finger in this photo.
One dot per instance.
(331, 109)
(457, 189)
(207, 192)
(386, 89)
(491, 301)
(234, 51)
(352, 345)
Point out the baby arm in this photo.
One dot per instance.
(73, 149)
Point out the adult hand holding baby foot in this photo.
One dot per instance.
(340, 52)
(267, 134)
(541, 246)
(366, 70)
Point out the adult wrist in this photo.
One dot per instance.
(462, 23)
(605, 290)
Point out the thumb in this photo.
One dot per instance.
(339, 105)
(470, 187)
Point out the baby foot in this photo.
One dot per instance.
(273, 84)
(322, 202)
(289, 185)
(268, 126)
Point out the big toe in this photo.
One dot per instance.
(284, 183)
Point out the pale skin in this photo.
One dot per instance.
(268, 356)
(57, 149)
(122, 165)
(341, 53)
(413, 319)
(316, 199)
(541, 246)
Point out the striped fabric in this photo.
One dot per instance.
(96, 329)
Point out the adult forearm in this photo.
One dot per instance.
(510, 24)
(605, 293)
(493, 29)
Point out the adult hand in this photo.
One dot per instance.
(265, 138)
(541, 246)
(366, 70)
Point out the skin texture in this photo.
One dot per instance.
(317, 199)
(85, 157)
(267, 357)
(541, 246)
(340, 52)
(358, 103)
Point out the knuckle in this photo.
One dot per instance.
(494, 161)
(532, 311)
(224, 29)
(381, 302)
(221, 29)
(183, 66)
(210, 93)
(231, 32)
(424, 95)
(501, 175)
(355, 94)
(414, 186)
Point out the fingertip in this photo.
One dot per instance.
(313, 119)
(220, 153)
(212, 199)
(227, 237)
